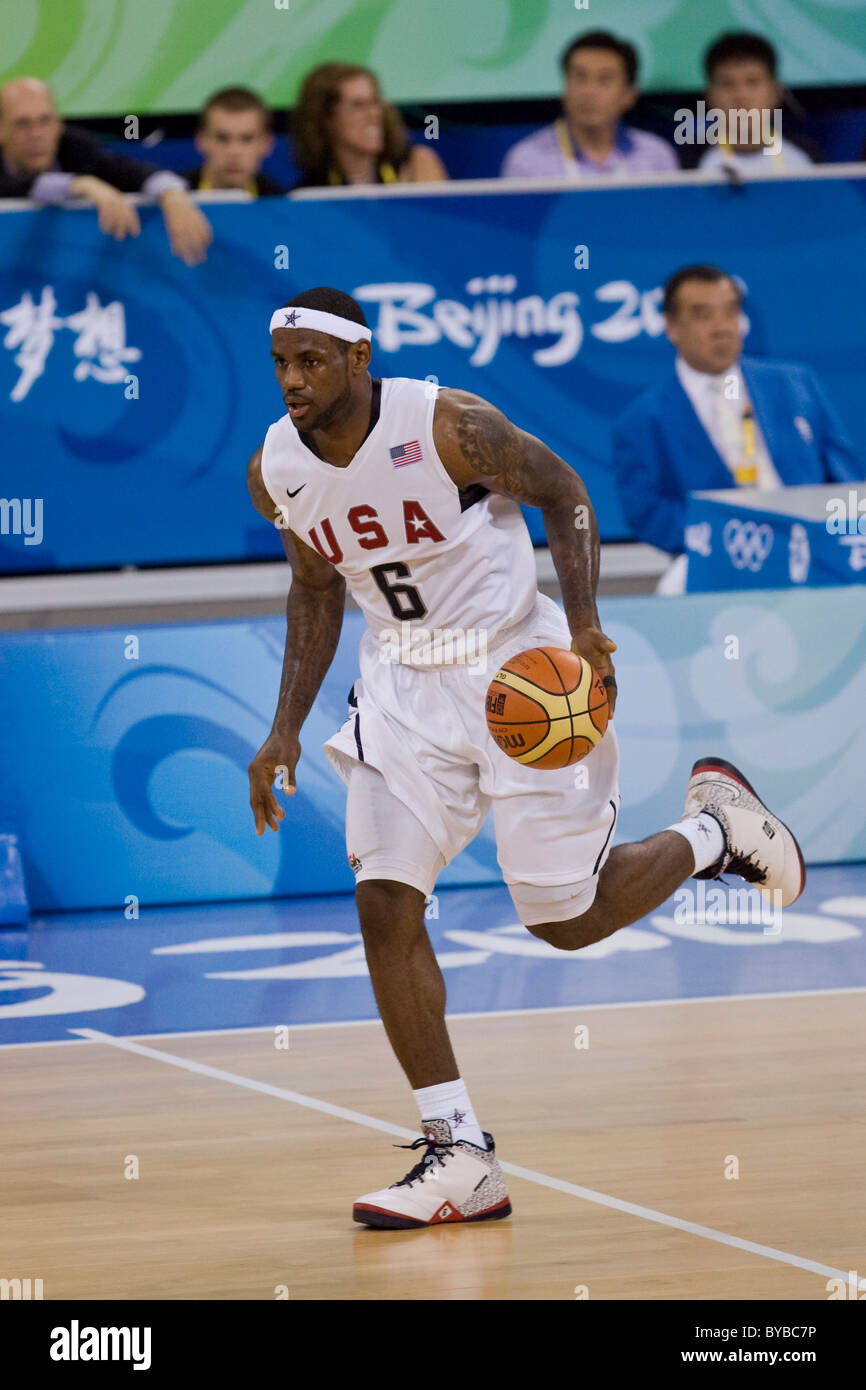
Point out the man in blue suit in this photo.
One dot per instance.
(721, 420)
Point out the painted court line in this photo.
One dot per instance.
(528, 1174)
(480, 1013)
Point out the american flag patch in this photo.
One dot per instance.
(402, 454)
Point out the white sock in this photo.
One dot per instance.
(704, 834)
(450, 1101)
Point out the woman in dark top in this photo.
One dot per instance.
(344, 133)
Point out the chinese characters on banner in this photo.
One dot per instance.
(100, 343)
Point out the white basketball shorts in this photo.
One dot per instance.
(425, 732)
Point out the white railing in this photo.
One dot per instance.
(458, 188)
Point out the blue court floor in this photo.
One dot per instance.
(301, 961)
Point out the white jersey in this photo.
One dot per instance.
(435, 569)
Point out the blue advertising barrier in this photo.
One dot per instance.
(134, 389)
(737, 539)
(125, 754)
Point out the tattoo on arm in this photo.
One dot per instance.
(314, 619)
(523, 468)
(575, 550)
(314, 613)
(496, 449)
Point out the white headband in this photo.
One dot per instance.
(321, 322)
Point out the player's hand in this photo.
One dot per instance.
(277, 757)
(116, 215)
(189, 232)
(591, 642)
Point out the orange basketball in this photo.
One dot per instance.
(547, 707)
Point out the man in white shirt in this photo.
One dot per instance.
(741, 73)
(721, 420)
(722, 404)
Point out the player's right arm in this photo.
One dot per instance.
(314, 617)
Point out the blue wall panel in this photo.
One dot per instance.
(128, 777)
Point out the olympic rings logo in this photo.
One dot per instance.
(747, 543)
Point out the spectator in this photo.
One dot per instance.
(234, 136)
(741, 73)
(42, 159)
(720, 420)
(589, 138)
(344, 133)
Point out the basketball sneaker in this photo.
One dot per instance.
(758, 846)
(452, 1182)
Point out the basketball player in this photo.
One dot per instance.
(411, 495)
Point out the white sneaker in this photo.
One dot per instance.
(453, 1182)
(758, 846)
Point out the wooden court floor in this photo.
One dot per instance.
(247, 1194)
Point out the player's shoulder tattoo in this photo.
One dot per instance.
(487, 440)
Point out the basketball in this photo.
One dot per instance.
(547, 707)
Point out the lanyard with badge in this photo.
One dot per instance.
(386, 173)
(729, 154)
(738, 430)
(746, 472)
(567, 147)
(205, 186)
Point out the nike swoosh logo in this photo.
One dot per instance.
(296, 491)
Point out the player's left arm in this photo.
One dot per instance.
(478, 444)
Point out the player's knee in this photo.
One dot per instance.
(570, 935)
(386, 906)
(575, 913)
(558, 934)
